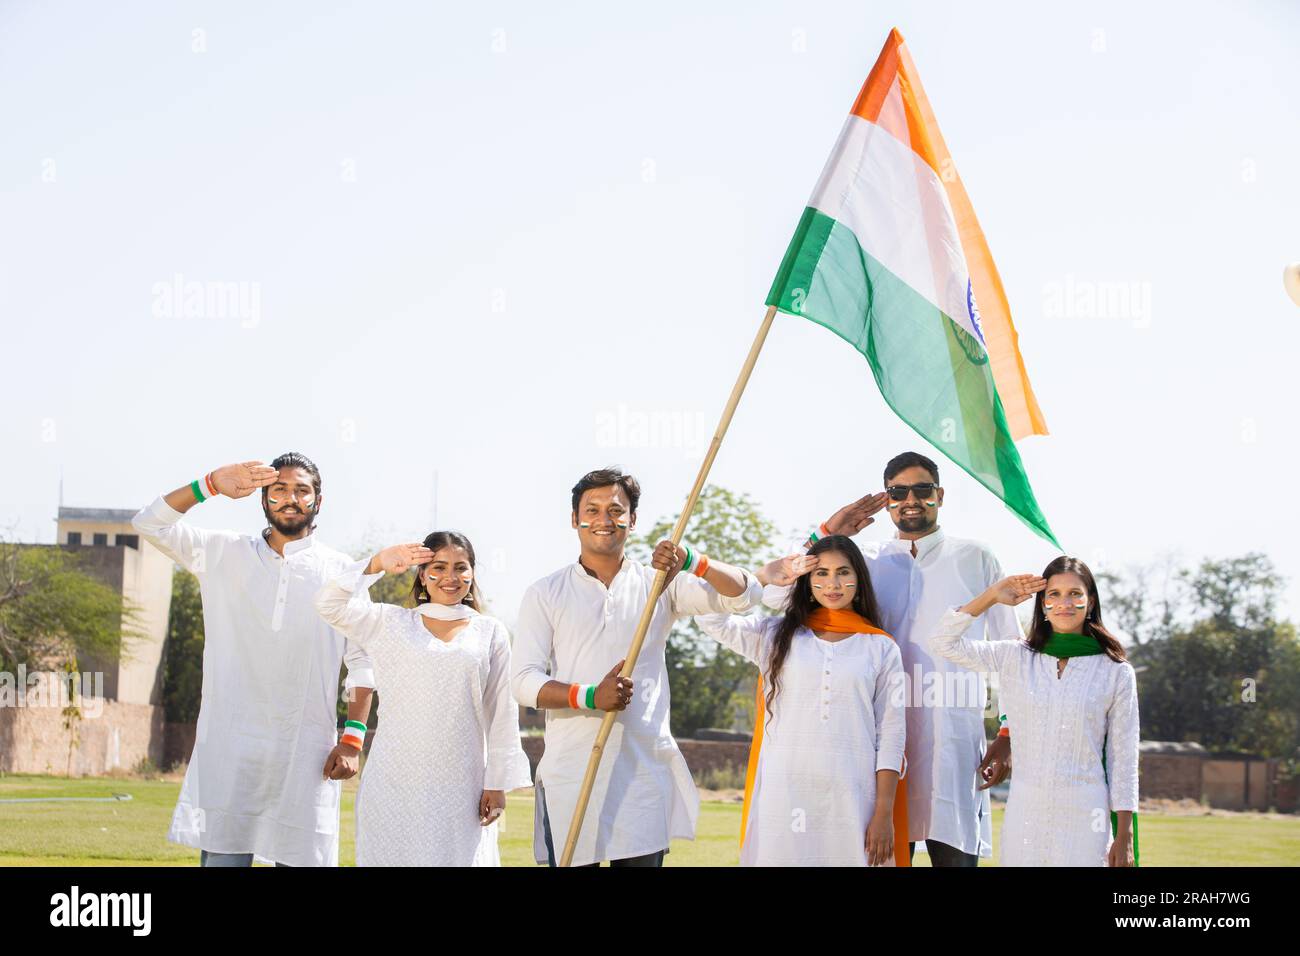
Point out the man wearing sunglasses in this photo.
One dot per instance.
(917, 575)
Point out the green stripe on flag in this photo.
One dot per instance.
(931, 371)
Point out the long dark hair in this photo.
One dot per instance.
(1040, 629)
(802, 603)
(435, 542)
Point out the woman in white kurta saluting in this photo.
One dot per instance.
(448, 744)
(1072, 698)
(829, 743)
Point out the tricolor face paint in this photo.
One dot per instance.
(1065, 608)
(584, 524)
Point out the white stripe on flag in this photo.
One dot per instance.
(898, 209)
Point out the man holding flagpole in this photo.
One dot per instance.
(889, 256)
(571, 638)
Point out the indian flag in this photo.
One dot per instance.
(889, 256)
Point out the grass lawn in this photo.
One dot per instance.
(133, 833)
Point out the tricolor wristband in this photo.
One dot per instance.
(203, 488)
(696, 564)
(354, 734)
(821, 532)
(582, 696)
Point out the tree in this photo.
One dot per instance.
(1144, 597)
(706, 680)
(1216, 667)
(1237, 592)
(183, 656)
(53, 610)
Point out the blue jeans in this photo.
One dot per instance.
(648, 859)
(941, 854)
(227, 859)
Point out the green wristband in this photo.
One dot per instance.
(591, 697)
(198, 495)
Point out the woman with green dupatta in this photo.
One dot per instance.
(1072, 698)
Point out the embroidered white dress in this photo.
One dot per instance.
(1058, 811)
(838, 718)
(945, 711)
(448, 728)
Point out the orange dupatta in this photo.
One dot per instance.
(836, 622)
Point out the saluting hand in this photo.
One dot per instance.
(398, 558)
(240, 481)
(856, 515)
(784, 571)
(1017, 589)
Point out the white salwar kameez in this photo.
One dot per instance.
(449, 728)
(837, 719)
(945, 711)
(571, 628)
(267, 722)
(1058, 811)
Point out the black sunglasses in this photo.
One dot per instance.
(924, 490)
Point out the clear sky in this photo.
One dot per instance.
(512, 242)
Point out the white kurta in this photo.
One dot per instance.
(945, 713)
(267, 722)
(448, 729)
(1058, 811)
(837, 719)
(572, 628)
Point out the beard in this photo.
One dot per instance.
(922, 522)
(288, 524)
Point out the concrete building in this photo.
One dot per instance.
(127, 725)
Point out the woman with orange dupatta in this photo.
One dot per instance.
(828, 745)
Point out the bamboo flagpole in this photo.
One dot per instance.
(657, 586)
